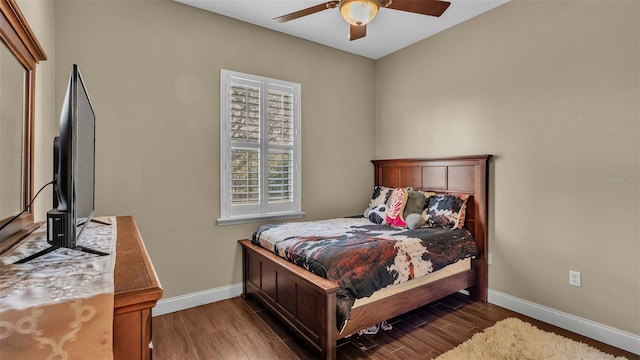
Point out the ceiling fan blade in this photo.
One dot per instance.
(357, 32)
(307, 11)
(425, 7)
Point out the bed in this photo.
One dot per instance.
(307, 303)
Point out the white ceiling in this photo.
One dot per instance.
(390, 30)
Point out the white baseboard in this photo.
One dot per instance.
(187, 301)
(603, 333)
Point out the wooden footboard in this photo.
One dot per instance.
(304, 301)
(307, 302)
(398, 304)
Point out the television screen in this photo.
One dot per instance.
(84, 122)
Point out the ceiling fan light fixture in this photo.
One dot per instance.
(359, 12)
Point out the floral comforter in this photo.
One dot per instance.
(363, 257)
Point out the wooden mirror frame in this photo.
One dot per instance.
(21, 41)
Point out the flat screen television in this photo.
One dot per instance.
(74, 166)
(73, 170)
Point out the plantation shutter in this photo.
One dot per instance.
(279, 136)
(260, 148)
(245, 142)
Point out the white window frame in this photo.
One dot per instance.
(263, 211)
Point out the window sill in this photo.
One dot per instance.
(259, 218)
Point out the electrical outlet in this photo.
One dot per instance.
(575, 278)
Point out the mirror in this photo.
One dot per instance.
(12, 121)
(20, 51)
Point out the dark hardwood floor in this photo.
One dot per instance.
(243, 329)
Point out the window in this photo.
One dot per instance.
(259, 148)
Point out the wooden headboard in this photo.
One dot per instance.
(466, 175)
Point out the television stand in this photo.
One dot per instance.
(95, 221)
(55, 247)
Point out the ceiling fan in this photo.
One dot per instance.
(358, 13)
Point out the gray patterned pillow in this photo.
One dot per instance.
(415, 203)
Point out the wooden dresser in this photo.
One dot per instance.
(137, 290)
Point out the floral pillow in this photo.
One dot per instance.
(396, 206)
(446, 210)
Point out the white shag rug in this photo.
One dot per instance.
(514, 339)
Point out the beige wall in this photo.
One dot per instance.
(152, 70)
(552, 90)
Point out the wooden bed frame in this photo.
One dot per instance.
(307, 302)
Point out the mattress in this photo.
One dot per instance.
(455, 268)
